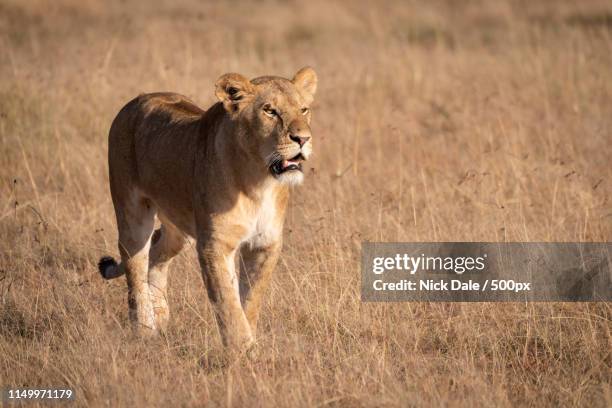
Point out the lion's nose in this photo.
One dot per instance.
(301, 140)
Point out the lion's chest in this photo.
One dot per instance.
(264, 225)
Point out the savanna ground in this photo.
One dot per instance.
(434, 121)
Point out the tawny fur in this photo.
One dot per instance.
(207, 175)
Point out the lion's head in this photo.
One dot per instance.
(273, 114)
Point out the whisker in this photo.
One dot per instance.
(273, 158)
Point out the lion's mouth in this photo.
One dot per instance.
(283, 166)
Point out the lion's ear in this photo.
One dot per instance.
(306, 81)
(233, 90)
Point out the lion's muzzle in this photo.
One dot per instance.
(281, 166)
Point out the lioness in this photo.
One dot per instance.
(220, 176)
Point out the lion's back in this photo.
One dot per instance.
(152, 144)
(177, 106)
(162, 108)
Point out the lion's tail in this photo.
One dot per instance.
(109, 268)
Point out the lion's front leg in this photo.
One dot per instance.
(218, 271)
(256, 266)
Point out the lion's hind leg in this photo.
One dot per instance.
(167, 242)
(135, 222)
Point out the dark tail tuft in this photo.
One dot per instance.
(107, 267)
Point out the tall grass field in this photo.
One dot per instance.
(434, 121)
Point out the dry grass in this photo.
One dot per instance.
(488, 121)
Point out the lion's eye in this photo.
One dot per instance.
(305, 111)
(270, 111)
